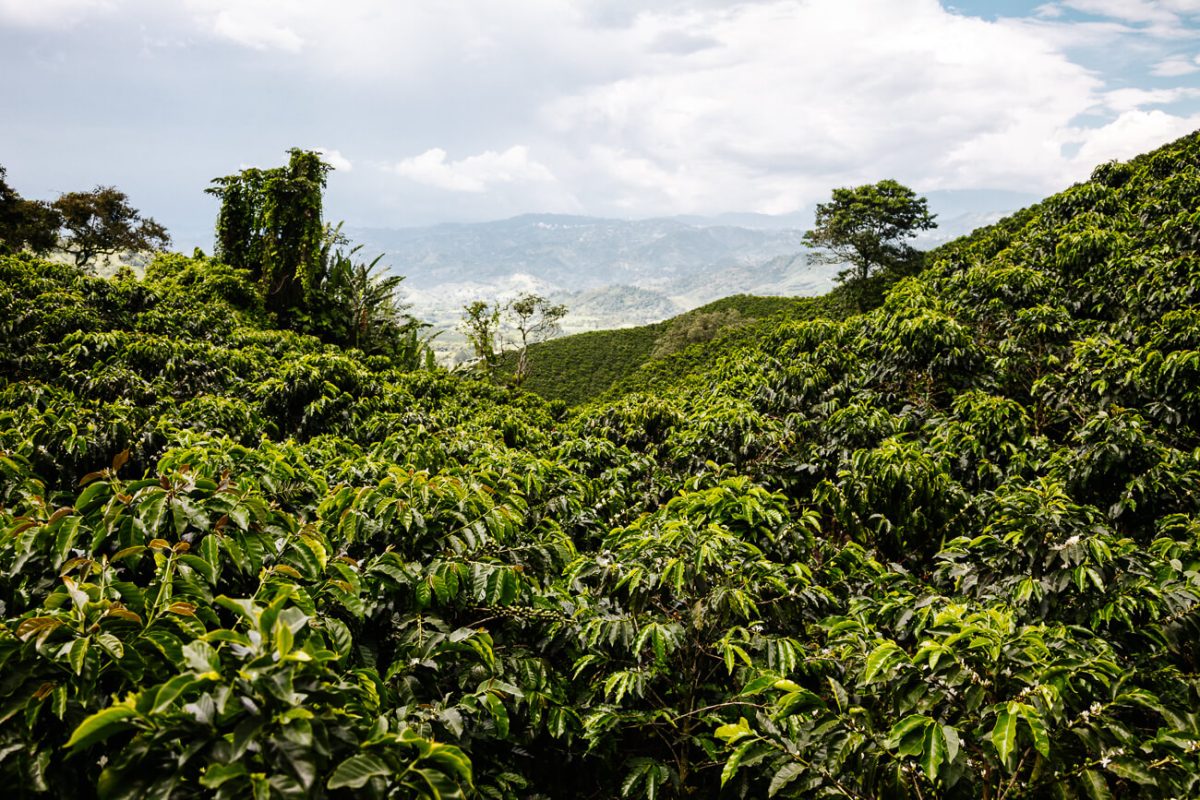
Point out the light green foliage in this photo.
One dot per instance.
(948, 548)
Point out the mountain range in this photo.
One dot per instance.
(614, 273)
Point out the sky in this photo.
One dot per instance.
(468, 110)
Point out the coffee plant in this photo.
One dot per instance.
(947, 548)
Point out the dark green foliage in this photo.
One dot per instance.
(948, 548)
(101, 223)
(25, 223)
(866, 227)
(270, 223)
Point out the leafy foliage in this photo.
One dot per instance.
(946, 548)
(866, 228)
(101, 222)
(270, 223)
(587, 366)
(26, 223)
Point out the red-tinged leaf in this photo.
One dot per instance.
(182, 608)
(35, 625)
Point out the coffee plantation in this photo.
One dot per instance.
(945, 548)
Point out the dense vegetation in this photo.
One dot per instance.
(948, 548)
(584, 366)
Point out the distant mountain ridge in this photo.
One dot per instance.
(572, 252)
(613, 273)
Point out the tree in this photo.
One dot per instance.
(368, 301)
(270, 223)
(481, 325)
(535, 319)
(26, 223)
(866, 227)
(101, 222)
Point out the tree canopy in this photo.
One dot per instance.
(102, 222)
(30, 224)
(866, 228)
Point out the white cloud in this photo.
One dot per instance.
(49, 13)
(1121, 100)
(247, 28)
(650, 106)
(1048, 11)
(1131, 133)
(1161, 19)
(1127, 10)
(1176, 66)
(798, 97)
(335, 159)
(475, 173)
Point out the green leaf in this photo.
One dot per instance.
(732, 732)
(785, 775)
(1004, 735)
(201, 566)
(150, 510)
(79, 649)
(906, 726)
(952, 743)
(170, 690)
(101, 725)
(217, 774)
(735, 760)
(1131, 770)
(1094, 785)
(883, 657)
(498, 712)
(91, 495)
(1041, 742)
(355, 771)
(933, 751)
(112, 645)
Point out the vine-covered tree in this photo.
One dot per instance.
(270, 223)
(31, 224)
(867, 227)
(102, 222)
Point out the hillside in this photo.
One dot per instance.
(583, 366)
(610, 273)
(948, 548)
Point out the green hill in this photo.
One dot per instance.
(948, 548)
(584, 366)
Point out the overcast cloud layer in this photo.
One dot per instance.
(466, 110)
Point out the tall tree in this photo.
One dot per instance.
(102, 222)
(535, 319)
(867, 227)
(270, 223)
(481, 325)
(26, 223)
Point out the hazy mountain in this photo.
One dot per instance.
(614, 273)
(573, 253)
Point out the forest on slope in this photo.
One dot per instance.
(948, 547)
